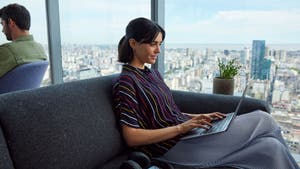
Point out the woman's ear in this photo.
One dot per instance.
(132, 43)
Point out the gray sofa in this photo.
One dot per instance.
(72, 125)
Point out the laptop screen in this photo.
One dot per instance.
(241, 100)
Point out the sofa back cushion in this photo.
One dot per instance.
(65, 126)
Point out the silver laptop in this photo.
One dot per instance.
(217, 126)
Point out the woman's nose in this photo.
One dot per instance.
(158, 48)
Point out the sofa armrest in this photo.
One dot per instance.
(190, 102)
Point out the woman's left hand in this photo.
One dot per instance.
(216, 116)
(213, 116)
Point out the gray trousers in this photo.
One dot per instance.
(253, 141)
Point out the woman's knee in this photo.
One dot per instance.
(262, 115)
(262, 120)
(272, 142)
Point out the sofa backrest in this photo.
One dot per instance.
(64, 126)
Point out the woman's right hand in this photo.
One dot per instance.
(200, 121)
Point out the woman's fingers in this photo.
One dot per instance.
(217, 116)
(206, 123)
(221, 114)
(202, 123)
(204, 127)
(205, 117)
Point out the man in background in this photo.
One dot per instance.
(15, 20)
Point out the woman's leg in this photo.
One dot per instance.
(216, 149)
(262, 153)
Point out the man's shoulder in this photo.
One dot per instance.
(17, 44)
(24, 45)
(6, 45)
(5, 48)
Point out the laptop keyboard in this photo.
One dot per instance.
(217, 126)
(220, 125)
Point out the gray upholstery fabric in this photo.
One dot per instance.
(72, 125)
(205, 103)
(5, 160)
(68, 126)
(114, 163)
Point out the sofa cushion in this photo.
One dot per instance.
(65, 126)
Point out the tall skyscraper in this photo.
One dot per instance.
(260, 67)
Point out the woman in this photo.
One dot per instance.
(152, 123)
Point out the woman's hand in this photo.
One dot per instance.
(199, 121)
(216, 115)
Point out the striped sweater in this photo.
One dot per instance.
(143, 100)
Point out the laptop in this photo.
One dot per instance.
(218, 125)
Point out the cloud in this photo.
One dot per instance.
(96, 7)
(91, 21)
(99, 21)
(96, 21)
(240, 27)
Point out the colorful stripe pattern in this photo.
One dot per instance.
(143, 100)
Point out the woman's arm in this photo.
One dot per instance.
(138, 136)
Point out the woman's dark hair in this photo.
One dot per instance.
(143, 31)
(18, 13)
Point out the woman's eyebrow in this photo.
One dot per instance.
(157, 41)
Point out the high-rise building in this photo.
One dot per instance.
(260, 67)
(209, 54)
(244, 56)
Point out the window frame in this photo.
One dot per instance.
(54, 38)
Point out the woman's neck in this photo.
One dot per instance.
(137, 65)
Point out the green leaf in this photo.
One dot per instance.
(228, 70)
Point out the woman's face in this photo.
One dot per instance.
(145, 52)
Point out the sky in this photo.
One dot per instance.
(186, 21)
(233, 21)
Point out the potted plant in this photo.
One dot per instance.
(224, 82)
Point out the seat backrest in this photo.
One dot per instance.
(65, 126)
(26, 76)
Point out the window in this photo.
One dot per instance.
(38, 26)
(90, 33)
(262, 35)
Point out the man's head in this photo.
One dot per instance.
(14, 17)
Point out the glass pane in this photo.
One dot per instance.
(90, 33)
(203, 31)
(38, 27)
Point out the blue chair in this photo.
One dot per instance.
(25, 76)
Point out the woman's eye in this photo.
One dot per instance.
(155, 44)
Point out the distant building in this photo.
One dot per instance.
(226, 52)
(244, 56)
(209, 53)
(260, 67)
